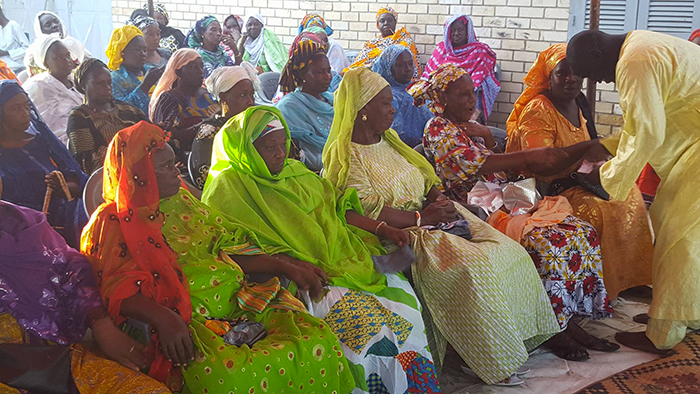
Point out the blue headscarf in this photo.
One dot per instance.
(8, 89)
(195, 38)
(409, 120)
(314, 19)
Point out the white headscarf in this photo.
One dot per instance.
(223, 79)
(41, 46)
(256, 47)
(76, 48)
(37, 24)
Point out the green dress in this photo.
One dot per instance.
(300, 353)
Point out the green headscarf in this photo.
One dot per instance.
(358, 87)
(294, 212)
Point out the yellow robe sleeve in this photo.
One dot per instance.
(641, 84)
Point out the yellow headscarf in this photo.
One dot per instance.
(121, 37)
(358, 87)
(536, 81)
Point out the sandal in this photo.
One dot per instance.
(578, 334)
(641, 318)
(565, 347)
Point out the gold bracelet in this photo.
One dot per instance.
(376, 230)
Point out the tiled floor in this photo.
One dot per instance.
(552, 375)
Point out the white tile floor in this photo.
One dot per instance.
(552, 375)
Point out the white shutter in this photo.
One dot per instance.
(676, 17)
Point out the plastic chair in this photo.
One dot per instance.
(92, 194)
(199, 161)
(351, 56)
(269, 83)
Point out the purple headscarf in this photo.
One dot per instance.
(45, 285)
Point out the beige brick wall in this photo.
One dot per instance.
(516, 30)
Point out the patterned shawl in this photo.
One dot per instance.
(314, 19)
(302, 54)
(428, 90)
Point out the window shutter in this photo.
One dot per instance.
(616, 16)
(675, 17)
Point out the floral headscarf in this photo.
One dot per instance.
(142, 22)
(429, 90)
(195, 38)
(314, 19)
(121, 37)
(160, 8)
(301, 55)
(536, 81)
(386, 10)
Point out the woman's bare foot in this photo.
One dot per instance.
(580, 335)
(639, 341)
(565, 347)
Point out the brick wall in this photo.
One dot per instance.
(516, 30)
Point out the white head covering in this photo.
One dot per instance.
(256, 47)
(223, 79)
(41, 47)
(76, 48)
(37, 24)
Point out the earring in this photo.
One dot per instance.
(364, 117)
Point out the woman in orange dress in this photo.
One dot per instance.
(552, 112)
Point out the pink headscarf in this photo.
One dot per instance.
(178, 60)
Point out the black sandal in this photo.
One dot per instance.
(566, 348)
(600, 344)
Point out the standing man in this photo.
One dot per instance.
(658, 79)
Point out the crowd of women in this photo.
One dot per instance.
(337, 241)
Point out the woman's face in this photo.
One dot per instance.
(98, 86)
(563, 84)
(212, 34)
(50, 24)
(316, 78)
(402, 70)
(59, 60)
(386, 24)
(254, 27)
(380, 111)
(324, 39)
(16, 113)
(458, 33)
(191, 74)
(167, 174)
(460, 99)
(237, 99)
(160, 18)
(134, 53)
(231, 26)
(152, 36)
(273, 150)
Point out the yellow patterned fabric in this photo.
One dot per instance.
(484, 295)
(625, 264)
(92, 374)
(658, 80)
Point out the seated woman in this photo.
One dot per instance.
(233, 31)
(335, 53)
(53, 92)
(552, 112)
(205, 38)
(565, 250)
(308, 108)
(180, 102)
(386, 23)
(53, 299)
(197, 288)
(33, 160)
(171, 38)
(302, 219)
(263, 49)
(155, 55)
(395, 65)
(461, 47)
(132, 81)
(49, 23)
(452, 275)
(91, 126)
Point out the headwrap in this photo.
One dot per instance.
(387, 10)
(84, 70)
(178, 60)
(314, 19)
(536, 81)
(359, 87)
(224, 79)
(121, 37)
(429, 90)
(8, 90)
(301, 55)
(274, 125)
(142, 22)
(256, 47)
(41, 46)
(476, 58)
(37, 24)
(695, 34)
(195, 38)
(239, 21)
(386, 61)
(160, 8)
(130, 190)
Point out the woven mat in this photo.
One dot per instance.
(678, 373)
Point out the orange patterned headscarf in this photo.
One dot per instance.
(387, 10)
(536, 81)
